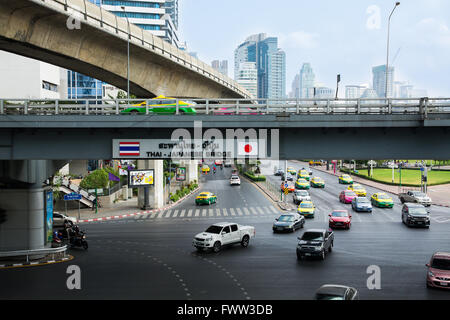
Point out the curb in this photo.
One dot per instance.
(138, 213)
(35, 263)
(268, 194)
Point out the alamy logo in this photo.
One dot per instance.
(374, 20)
(374, 280)
(74, 20)
(74, 280)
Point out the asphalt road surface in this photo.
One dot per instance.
(151, 256)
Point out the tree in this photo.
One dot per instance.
(96, 180)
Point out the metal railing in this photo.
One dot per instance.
(95, 16)
(28, 253)
(418, 106)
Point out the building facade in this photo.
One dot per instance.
(354, 91)
(247, 77)
(277, 75)
(307, 81)
(221, 66)
(379, 81)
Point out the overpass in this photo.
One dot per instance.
(323, 129)
(39, 29)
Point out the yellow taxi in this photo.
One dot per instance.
(382, 200)
(358, 189)
(317, 182)
(291, 170)
(306, 209)
(303, 174)
(302, 184)
(345, 179)
(205, 168)
(205, 198)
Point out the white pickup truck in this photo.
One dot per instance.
(221, 234)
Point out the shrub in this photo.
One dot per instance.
(97, 179)
(253, 177)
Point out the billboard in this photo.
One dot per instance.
(181, 174)
(140, 178)
(48, 216)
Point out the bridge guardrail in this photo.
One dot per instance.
(28, 253)
(418, 106)
(85, 10)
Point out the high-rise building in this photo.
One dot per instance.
(295, 90)
(264, 52)
(354, 91)
(247, 77)
(221, 66)
(324, 93)
(160, 17)
(379, 81)
(307, 81)
(277, 75)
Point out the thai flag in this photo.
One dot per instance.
(129, 149)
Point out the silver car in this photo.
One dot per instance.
(336, 292)
(301, 195)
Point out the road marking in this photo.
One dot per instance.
(197, 212)
(211, 212)
(182, 213)
(260, 210)
(267, 210)
(153, 215)
(190, 213)
(175, 214)
(358, 217)
(232, 212)
(204, 213)
(273, 209)
(168, 214)
(160, 214)
(247, 213)
(218, 212)
(387, 215)
(239, 211)
(252, 209)
(225, 213)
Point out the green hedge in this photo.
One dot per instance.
(253, 177)
(180, 193)
(345, 170)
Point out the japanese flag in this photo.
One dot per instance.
(247, 148)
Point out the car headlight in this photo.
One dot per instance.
(317, 248)
(431, 274)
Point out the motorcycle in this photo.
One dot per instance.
(78, 239)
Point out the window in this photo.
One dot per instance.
(234, 228)
(226, 229)
(49, 86)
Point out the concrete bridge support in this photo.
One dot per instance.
(155, 195)
(23, 203)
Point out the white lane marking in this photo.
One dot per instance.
(160, 214)
(225, 213)
(252, 209)
(386, 214)
(260, 210)
(204, 213)
(211, 212)
(153, 215)
(190, 213)
(168, 214)
(239, 211)
(232, 212)
(175, 214)
(182, 213)
(197, 212)
(218, 212)
(267, 210)
(247, 213)
(273, 209)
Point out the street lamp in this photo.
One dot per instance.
(387, 55)
(128, 54)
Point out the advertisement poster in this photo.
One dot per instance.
(48, 216)
(140, 178)
(181, 174)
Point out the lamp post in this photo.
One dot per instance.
(387, 55)
(128, 54)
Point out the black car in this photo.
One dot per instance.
(414, 214)
(336, 292)
(315, 243)
(288, 222)
(279, 172)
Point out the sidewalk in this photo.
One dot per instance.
(439, 194)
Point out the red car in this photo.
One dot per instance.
(340, 219)
(347, 196)
(438, 275)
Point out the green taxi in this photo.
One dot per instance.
(301, 184)
(306, 209)
(303, 174)
(345, 179)
(317, 182)
(381, 200)
(205, 198)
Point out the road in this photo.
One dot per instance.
(151, 257)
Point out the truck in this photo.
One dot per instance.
(223, 234)
(415, 197)
(315, 243)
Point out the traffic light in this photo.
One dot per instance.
(2, 216)
(424, 178)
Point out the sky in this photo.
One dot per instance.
(346, 37)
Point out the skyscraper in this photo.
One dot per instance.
(307, 80)
(354, 91)
(270, 62)
(248, 77)
(379, 81)
(295, 93)
(221, 66)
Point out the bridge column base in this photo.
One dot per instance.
(155, 195)
(24, 227)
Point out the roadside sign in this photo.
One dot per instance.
(72, 196)
(286, 191)
(286, 185)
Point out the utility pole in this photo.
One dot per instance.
(337, 85)
(387, 55)
(128, 54)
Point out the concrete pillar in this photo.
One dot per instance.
(192, 171)
(24, 228)
(156, 192)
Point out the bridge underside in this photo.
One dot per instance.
(38, 32)
(294, 143)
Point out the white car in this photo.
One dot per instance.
(221, 234)
(235, 180)
(59, 219)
